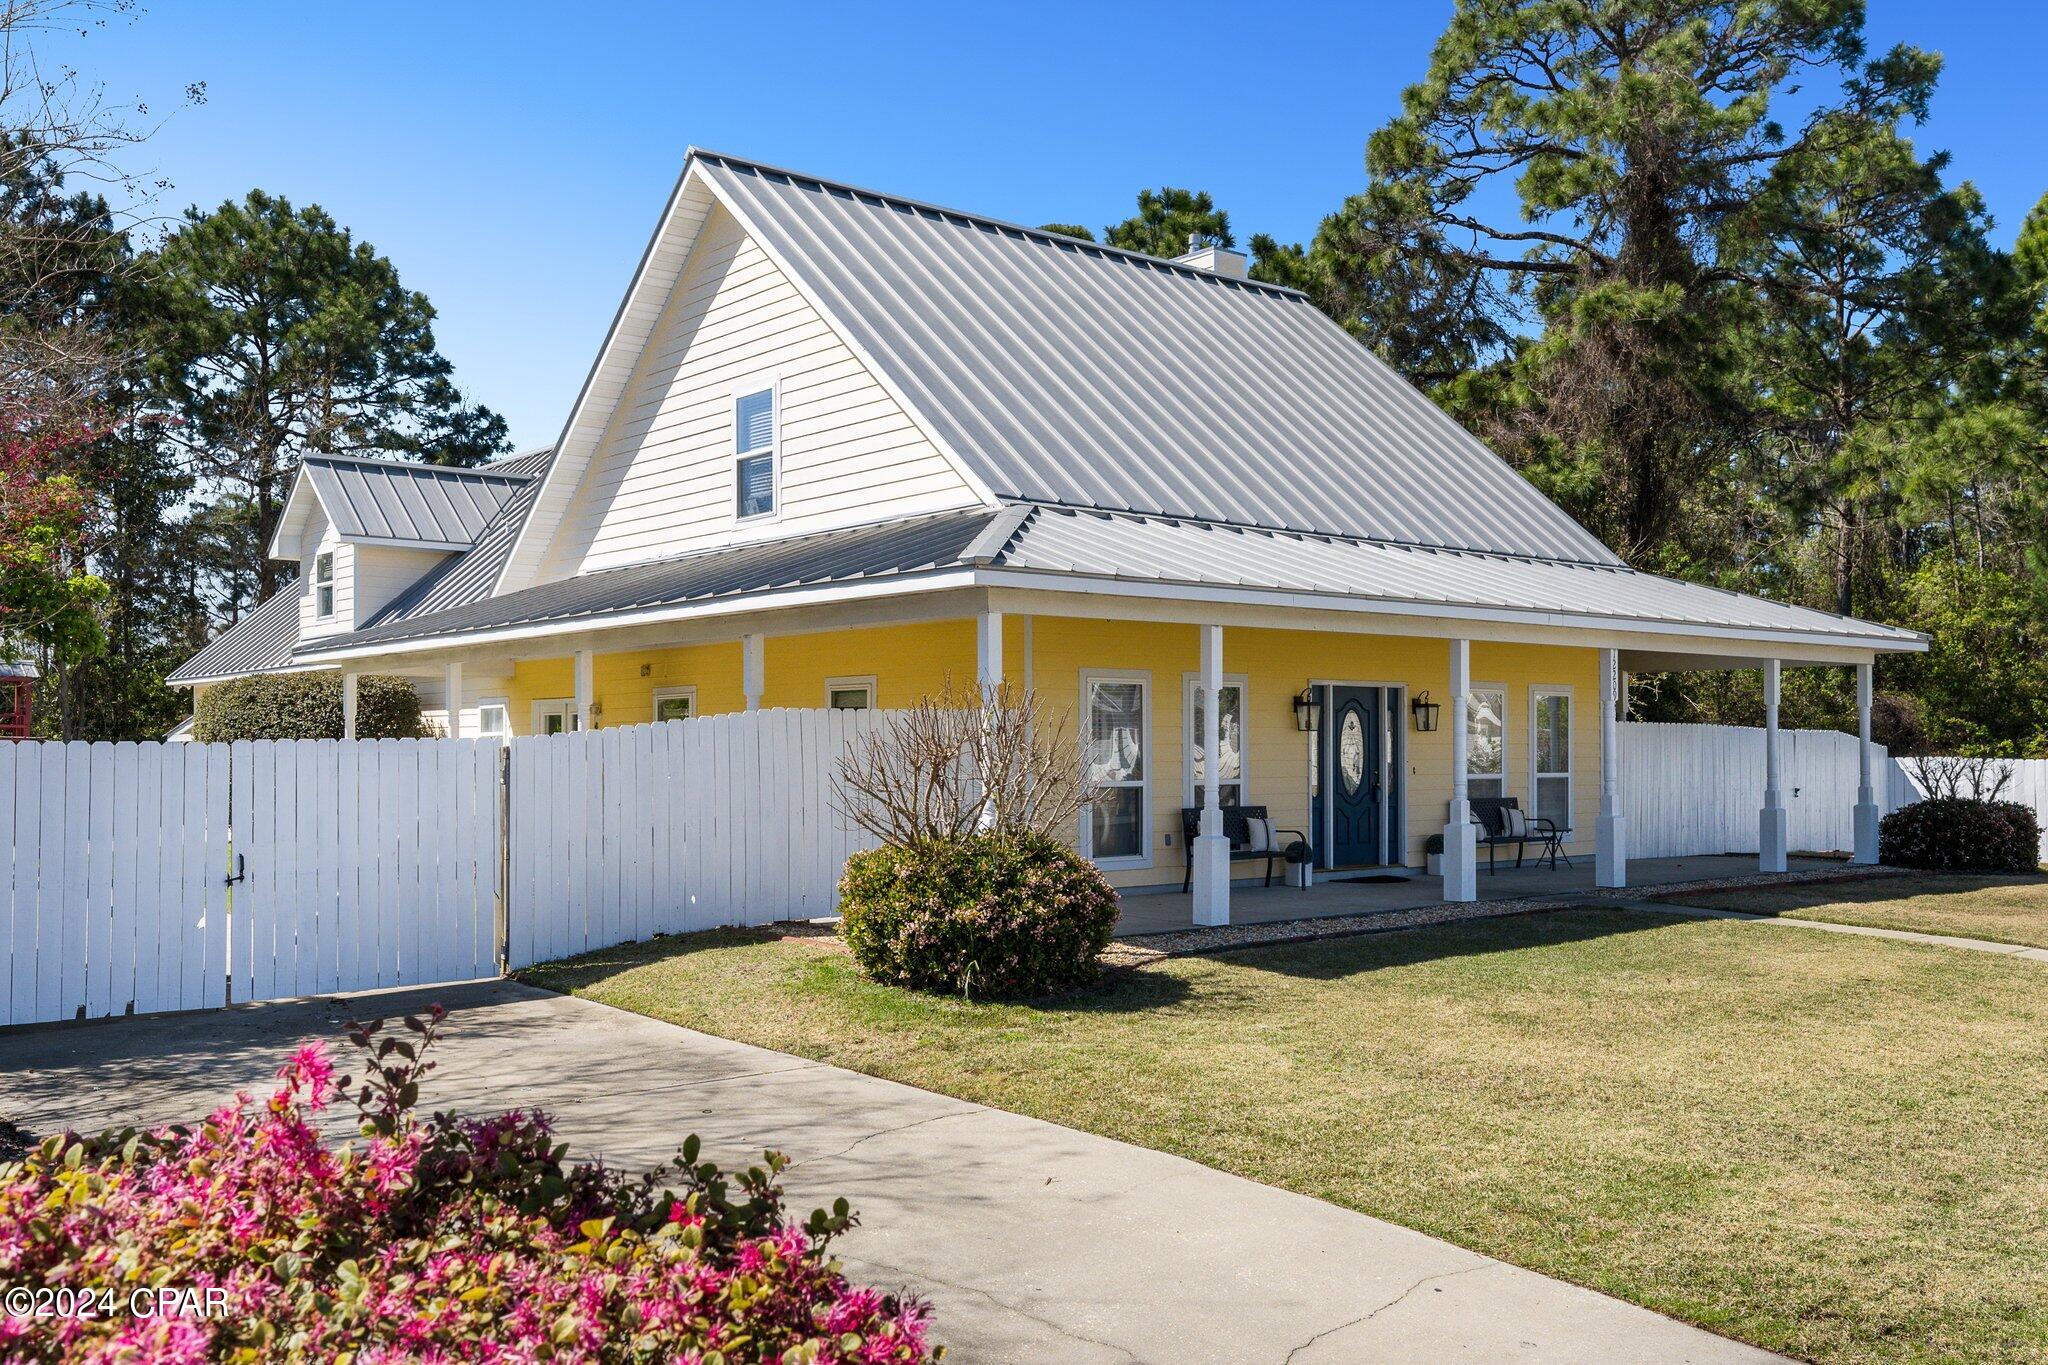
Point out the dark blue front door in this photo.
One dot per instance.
(1354, 745)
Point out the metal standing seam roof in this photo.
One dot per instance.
(261, 642)
(469, 577)
(1062, 542)
(1070, 374)
(433, 505)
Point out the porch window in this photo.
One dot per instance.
(1230, 789)
(1551, 783)
(754, 432)
(1114, 754)
(1486, 741)
(674, 703)
(850, 694)
(493, 719)
(323, 584)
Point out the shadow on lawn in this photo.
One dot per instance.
(1865, 891)
(1332, 959)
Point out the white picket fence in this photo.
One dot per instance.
(661, 829)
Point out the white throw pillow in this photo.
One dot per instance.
(1258, 835)
(1518, 823)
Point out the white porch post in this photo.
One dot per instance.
(1866, 760)
(1610, 833)
(451, 691)
(586, 687)
(1773, 826)
(753, 668)
(988, 677)
(348, 706)
(1461, 847)
(1212, 850)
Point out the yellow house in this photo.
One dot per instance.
(841, 448)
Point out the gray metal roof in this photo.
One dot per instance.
(261, 642)
(436, 506)
(892, 549)
(468, 577)
(1064, 373)
(1157, 550)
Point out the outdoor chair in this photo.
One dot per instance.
(1237, 829)
(1502, 823)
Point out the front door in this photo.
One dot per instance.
(554, 715)
(1357, 769)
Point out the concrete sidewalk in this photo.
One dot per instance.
(1034, 1242)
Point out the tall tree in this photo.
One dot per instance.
(1171, 222)
(273, 333)
(1625, 133)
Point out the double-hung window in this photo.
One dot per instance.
(1486, 741)
(323, 584)
(755, 446)
(850, 694)
(1195, 763)
(1551, 772)
(1114, 754)
(493, 719)
(674, 703)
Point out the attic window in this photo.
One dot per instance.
(754, 450)
(323, 584)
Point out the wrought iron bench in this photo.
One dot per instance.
(1238, 833)
(1490, 813)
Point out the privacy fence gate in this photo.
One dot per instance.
(137, 878)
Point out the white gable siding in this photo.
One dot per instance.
(319, 538)
(661, 483)
(381, 572)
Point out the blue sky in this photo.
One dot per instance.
(511, 158)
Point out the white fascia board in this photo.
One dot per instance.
(846, 338)
(399, 543)
(292, 521)
(251, 673)
(1056, 581)
(691, 611)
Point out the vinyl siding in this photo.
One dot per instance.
(321, 538)
(662, 479)
(909, 662)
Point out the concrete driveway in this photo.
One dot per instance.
(1034, 1242)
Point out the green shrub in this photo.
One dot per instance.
(307, 706)
(1958, 834)
(1003, 915)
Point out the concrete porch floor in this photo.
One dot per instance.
(1251, 903)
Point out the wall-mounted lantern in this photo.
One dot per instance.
(1425, 712)
(1308, 710)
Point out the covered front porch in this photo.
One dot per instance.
(1364, 893)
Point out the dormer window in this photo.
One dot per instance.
(323, 584)
(754, 452)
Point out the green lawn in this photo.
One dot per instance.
(1829, 1146)
(2002, 909)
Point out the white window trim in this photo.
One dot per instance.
(569, 715)
(483, 704)
(773, 385)
(1143, 678)
(662, 694)
(327, 583)
(1537, 692)
(1507, 738)
(864, 681)
(1189, 682)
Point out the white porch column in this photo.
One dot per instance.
(753, 668)
(988, 677)
(1866, 760)
(1610, 833)
(586, 688)
(1212, 849)
(1461, 846)
(348, 706)
(1773, 825)
(451, 691)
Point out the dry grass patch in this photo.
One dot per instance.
(1827, 1146)
(2001, 909)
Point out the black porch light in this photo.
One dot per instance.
(1425, 712)
(1308, 710)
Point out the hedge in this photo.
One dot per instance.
(307, 706)
(1957, 834)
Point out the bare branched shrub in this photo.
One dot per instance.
(1969, 779)
(967, 760)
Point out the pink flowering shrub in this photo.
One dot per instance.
(429, 1239)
